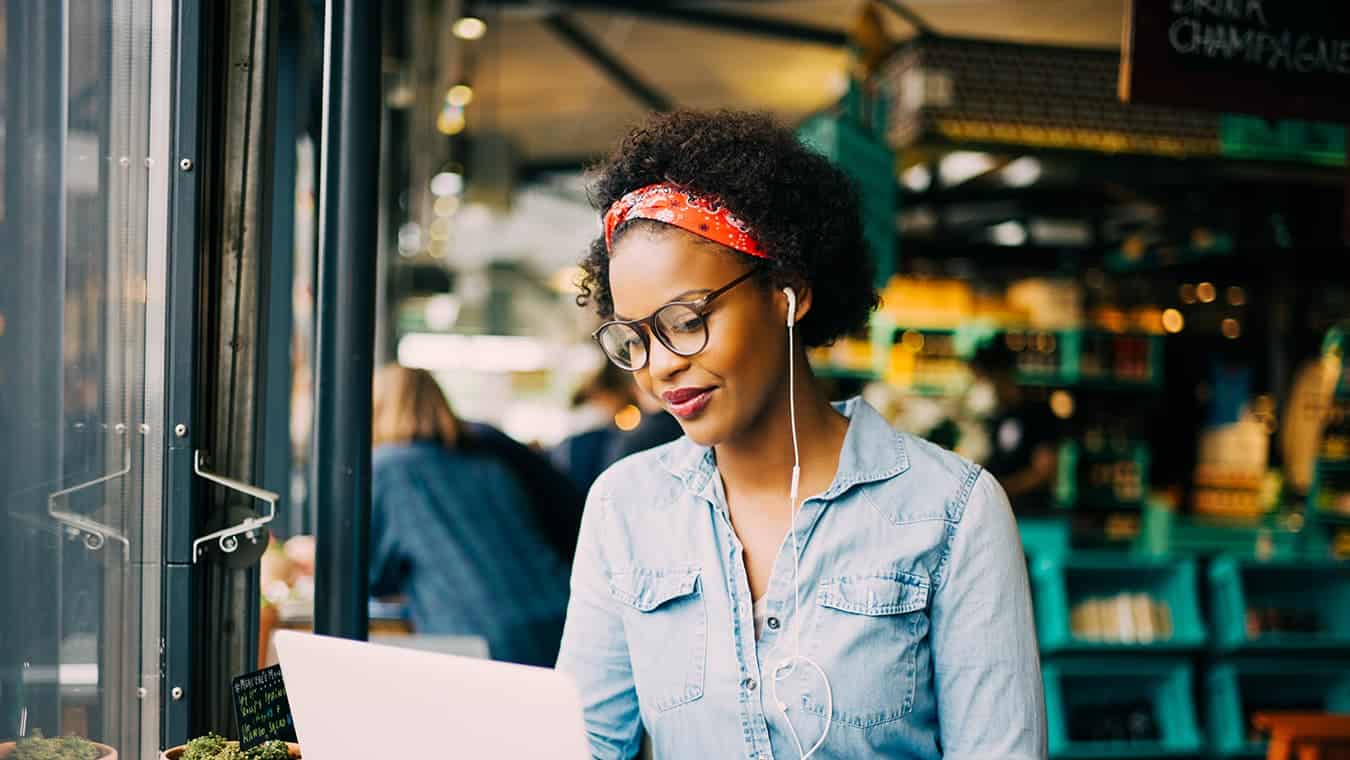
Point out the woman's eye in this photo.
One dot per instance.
(689, 323)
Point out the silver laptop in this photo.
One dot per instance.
(354, 700)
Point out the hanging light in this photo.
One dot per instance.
(1062, 404)
(451, 121)
(958, 166)
(917, 178)
(460, 95)
(447, 183)
(446, 205)
(1008, 233)
(1023, 172)
(1173, 321)
(470, 28)
(628, 418)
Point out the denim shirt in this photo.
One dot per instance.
(914, 602)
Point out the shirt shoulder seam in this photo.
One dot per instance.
(957, 514)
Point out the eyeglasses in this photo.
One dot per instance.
(681, 326)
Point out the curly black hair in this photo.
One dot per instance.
(803, 210)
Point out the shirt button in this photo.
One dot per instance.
(749, 684)
(772, 623)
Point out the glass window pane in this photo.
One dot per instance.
(75, 126)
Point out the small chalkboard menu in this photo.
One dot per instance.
(262, 709)
(1282, 59)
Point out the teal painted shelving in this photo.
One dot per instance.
(1062, 582)
(844, 373)
(1044, 536)
(1318, 589)
(1240, 687)
(1164, 684)
(1072, 371)
(1163, 532)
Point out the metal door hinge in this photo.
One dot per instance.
(249, 528)
(95, 533)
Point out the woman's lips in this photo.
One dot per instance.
(687, 402)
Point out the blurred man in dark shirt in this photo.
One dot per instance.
(585, 455)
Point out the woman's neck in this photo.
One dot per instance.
(759, 460)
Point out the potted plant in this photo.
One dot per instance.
(36, 747)
(214, 747)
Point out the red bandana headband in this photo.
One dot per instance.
(702, 215)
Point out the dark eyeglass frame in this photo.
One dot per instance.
(699, 306)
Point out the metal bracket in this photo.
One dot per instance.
(229, 537)
(96, 534)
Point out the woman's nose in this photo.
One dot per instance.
(664, 363)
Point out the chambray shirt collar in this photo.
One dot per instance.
(873, 451)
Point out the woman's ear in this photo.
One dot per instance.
(803, 299)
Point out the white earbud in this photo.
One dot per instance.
(792, 306)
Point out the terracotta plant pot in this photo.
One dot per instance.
(105, 752)
(177, 752)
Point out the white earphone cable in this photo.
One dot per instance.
(780, 672)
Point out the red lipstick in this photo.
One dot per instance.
(687, 402)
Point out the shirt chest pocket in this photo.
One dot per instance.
(666, 621)
(867, 634)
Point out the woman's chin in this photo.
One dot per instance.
(702, 431)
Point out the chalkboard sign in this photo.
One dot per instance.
(262, 709)
(1284, 59)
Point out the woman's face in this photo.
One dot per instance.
(724, 389)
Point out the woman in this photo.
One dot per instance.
(904, 626)
(449, 529)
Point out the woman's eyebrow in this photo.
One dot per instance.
(685, 296)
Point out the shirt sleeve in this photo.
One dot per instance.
(987, 672)
(594, 646)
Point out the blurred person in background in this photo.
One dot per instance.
(554, 501)
(450, 529)
(608, 397)
(1024, 435)
(656, 427)
(882, 609)
(596, 408)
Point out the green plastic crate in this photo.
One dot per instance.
(1268, 684)
(1320, 588)
(1059, 583)
(1164, 683)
